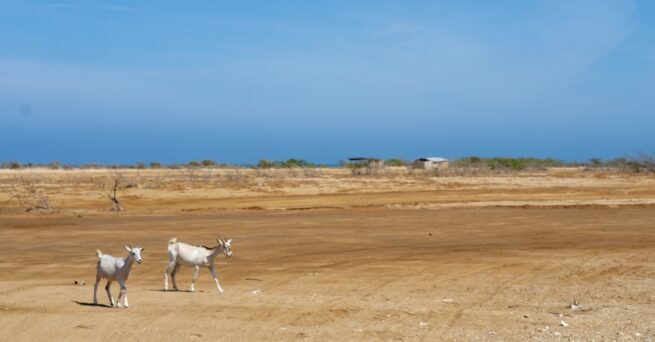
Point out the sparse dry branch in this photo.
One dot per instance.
(29, 195)
(117, 180)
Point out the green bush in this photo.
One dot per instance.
(264, 164)
(397, 162)
(286, 164)
(508, 163)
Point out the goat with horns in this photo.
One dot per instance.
(180, 253)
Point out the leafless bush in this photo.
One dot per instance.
(190, 175)
(642, 163)
(118, 181)
(312, 173)
(262, 173)
(29, 195)
(235, 175)
(365, 170)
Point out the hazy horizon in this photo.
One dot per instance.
(89, 81)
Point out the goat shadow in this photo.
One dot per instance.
(91, 304)
(174, 291)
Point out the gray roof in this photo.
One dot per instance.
(363, 158)
(434, 159)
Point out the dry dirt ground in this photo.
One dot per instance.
(329, 256)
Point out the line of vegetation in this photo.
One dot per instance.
(207, 163)
(634, 164)
(506, 163)
(287, 164)
(56, 165)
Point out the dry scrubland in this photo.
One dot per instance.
(322, 254)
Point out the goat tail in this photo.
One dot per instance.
(98, 253)
(172, 241)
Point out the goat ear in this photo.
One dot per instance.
(142, 249)
(229, 241)
(220, 242)
(128, 248)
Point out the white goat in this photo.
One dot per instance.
(115, 269)
(180, 253)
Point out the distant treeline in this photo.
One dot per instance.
(286, 164)
(207, 163)
(495, 163)
(521, 163)
(642, 163)
(55, 165)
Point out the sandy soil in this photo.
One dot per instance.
(328, 256)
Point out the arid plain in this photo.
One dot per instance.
(321, 254)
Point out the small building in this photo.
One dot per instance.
(368, 162)
(431, 163)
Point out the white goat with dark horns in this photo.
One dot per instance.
(180, 253)
(115, 269)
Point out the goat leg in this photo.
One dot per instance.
(95, 290)
(195, 275)
(111, 299)
(169, 269)
(173, 277)
(213, 272)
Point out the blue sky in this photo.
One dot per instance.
(172, 81)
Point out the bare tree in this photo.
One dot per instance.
(117, 179)
(29, 195)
